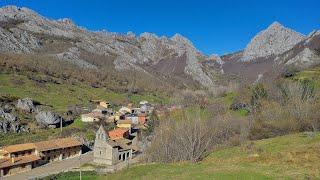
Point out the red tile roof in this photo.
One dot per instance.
(57, 144)
(7, 162)
(142, 119)
(117, 133)
(19, 147)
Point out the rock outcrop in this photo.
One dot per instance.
(73, 56)
(48, 119)
(26, 105)
(275, 40)
(306, 58)
(10, 123)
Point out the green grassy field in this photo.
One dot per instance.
(294, 156)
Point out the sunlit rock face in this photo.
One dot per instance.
(275, 40)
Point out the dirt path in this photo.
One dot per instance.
(53, 168)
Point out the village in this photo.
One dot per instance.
(111, 146)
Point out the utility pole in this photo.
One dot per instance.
(80, 166)
(61, 125)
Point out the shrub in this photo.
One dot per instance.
(258, 93)
(296, 109)
(191, 138)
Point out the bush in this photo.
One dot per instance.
(258, 93)
(295, 110)
(190, 139)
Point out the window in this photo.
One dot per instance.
(100, 152)
(128, 154)
(120, 157)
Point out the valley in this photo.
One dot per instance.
(155, 100)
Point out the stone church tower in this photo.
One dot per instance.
(108, 152)
(103, 151)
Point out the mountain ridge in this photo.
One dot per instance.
(168, 59)
(130, 51)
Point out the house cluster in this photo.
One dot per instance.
(121, 143)
(103, 112)
(23, 157)
(110, 148)
(126, 117)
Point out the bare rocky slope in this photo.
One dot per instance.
(170, 60)
(24, 31)
(275, 40)
(272, 52)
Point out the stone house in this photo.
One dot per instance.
(104, 104)
(145, 107)
(58, 149)
(133, 118)
(125, 124)
(17, 158)
(103, 110)
(92, 117)
(14, 165)
(125, 110)
(107, 151)
(23, 157)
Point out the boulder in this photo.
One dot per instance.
(48, 119)
(4, 125)
(7, 116)
(26, 105)
(14, 127)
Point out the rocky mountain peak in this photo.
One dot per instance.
(275, 25)
(274, 40)
(181, 39)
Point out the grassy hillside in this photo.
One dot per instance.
(287, 157)
(60, 96)
(310, 74)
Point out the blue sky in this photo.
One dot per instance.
(213, 26)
